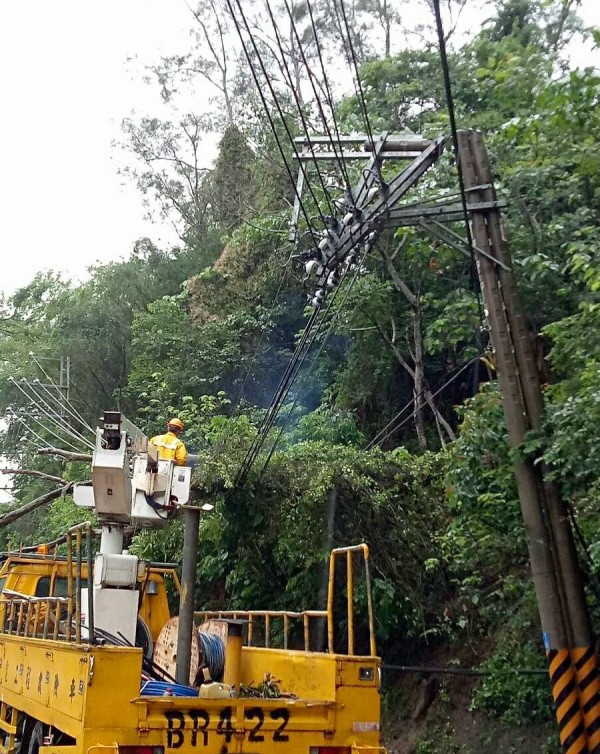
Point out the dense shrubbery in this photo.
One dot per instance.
(206, 331)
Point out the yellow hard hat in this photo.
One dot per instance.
(175, 423)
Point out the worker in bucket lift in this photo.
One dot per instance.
(170, 447)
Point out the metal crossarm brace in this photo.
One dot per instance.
(443, 214)
(449, 237)
(363, 232)
(386, 147)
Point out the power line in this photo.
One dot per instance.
(335, 144)
(358, 83)
(66, 405)
(302, 389)
(277, 399)
(267, 111)
(459, 170)
(297, 100)
(72, 434)
(382, 435)
(53, 416)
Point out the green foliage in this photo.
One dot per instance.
(515, 698)
(205, 331)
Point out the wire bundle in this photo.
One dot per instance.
(213, 654)
(334, 272)
(166, 688)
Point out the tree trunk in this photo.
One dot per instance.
(422, 390)
(419, 378)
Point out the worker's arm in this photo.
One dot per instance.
(181, 454)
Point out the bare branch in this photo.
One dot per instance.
(11, 516)
(64, 454)
(35, 472)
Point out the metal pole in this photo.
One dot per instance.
(186, 595)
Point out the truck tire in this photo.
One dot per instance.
(36, 739)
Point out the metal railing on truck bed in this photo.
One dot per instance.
(55, 617)
(260, 624)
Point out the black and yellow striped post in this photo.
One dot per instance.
(585, 663)
(571, 724)
(564, 614)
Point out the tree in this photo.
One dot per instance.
(172, 171)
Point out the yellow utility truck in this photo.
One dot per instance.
(89, 651)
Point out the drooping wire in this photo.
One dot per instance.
(298, 103)
(263, 331)
(289, 372)
(391, 427)
(301, 392)
(268, 113)
(276, 401)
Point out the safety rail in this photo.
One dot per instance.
(54, 617)
(349, 553)
(264, 618)
(261, 622)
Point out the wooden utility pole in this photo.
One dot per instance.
(559, 589)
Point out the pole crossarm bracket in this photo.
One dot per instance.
(456, 241)
(448, 213)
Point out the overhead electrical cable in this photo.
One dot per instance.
(268, 113)
(289, 372)
(302, 390)
(459, 170)
(43, 412)
(335, 142)
(259, 343)
(392, 427)
(298, 103)
(43, 440)
(294, 366)
(358, 88)
(73, 411)
(53, 416)
(66, 405)
(353, 59)
(328, 92)
(277, 399)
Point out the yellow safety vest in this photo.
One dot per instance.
(170, 448)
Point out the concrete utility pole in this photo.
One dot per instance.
(567, 634)
(186, 605)
(563, 610)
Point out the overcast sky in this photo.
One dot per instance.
(65, 88)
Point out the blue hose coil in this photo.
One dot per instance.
(213, 654)
(164, 688)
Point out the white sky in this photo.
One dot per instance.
(65, 88)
